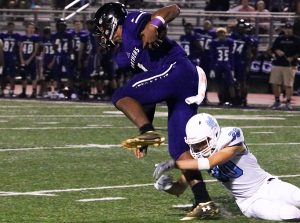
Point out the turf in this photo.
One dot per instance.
(49, 148)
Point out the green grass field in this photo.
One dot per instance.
(55, 155)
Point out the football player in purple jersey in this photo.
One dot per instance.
(222, 65)
(242, 49)
(48, 51)
(29, 44)
(64, 53)
(166, 75)
(191, 44)
(10, 41)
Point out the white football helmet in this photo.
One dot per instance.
(202, 132)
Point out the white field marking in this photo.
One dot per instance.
(262, 132)
(102, 199)
(51, 192)
(231, 117)
(3, 121)
(47, 123)
(101, 146)
(69, 127)
(107, 125)
(60, 103)
(273, 143)
(55, 116)
(128, 127)
(109, 146)
(269, 126)
(182, 206)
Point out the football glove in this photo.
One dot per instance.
(163, 183)
(162, 167)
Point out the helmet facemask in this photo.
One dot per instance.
(105, 31)
(106, 20)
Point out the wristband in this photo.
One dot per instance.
(203, 164)
(157, 21)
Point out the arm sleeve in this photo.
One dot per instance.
(136, 22)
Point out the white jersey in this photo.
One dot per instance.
(241, 175)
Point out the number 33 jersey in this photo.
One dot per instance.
(241, 175)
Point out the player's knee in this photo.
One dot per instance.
(289, 212)
(117, 95)
(296, 197)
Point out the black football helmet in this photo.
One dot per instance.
(106, 20)
(61, 25)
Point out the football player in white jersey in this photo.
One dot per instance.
(223, 152)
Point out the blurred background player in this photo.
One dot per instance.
(241, 56)
(286, 49)
(206, 34)
(191, 44)
(63, 72)
(1, 62)
(29, 44)
(79, 40)
(89, 58)
(48, 53)
(10, 41)
(222, 65)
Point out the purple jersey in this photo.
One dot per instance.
(64, 44)
(78, 38)
(205, 38)
(221, 53)
(189, 42)
(132, 45)
(168, 76)
(29, 45)
(48, 45)
(241, 47)
(10, 44)
(91, 44)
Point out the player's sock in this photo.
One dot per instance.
(146, 128)
(200, 193)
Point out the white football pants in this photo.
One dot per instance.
(276, 200)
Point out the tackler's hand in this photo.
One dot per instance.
(162, 167)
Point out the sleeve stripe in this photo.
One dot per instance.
(137, 19)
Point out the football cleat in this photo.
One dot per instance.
(202, 211)
(146, 139)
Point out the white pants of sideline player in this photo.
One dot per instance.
(276, 200)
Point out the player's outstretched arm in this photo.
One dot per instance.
(217, 158)
(155, 30)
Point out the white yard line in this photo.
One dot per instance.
(109, 146)
(52, 192)
(262, 132)
(126, 127)
(102, 199)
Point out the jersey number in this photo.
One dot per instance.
(226, 171)
(238, 48)
(28, 48)
(8, 46)
(223, 55)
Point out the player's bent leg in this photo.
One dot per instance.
(272, 210)
(203, 206)
(285, 192)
